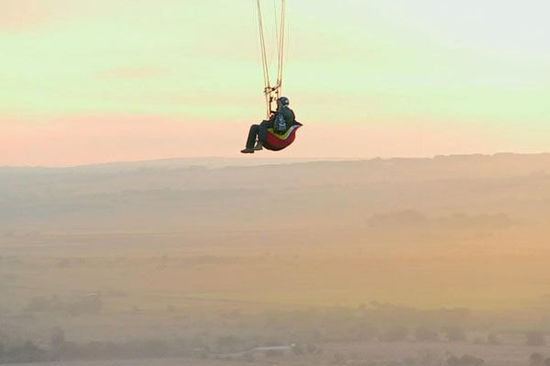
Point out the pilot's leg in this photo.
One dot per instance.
(252, 134)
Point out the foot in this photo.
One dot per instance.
(258, 146)
(247, 151)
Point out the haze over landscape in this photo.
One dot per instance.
(208, 258)
(477, 212)
(407, 225)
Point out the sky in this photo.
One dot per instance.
(89, 82)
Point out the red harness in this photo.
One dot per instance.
(276, 142)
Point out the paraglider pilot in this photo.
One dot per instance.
(281, 120)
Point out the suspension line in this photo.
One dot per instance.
(272, 92)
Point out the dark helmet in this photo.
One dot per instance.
(283, 101)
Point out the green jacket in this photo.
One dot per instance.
(287, 113)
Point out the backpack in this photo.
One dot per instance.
(279, 123)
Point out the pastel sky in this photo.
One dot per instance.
(109, 80)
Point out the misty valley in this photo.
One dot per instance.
(380, 262)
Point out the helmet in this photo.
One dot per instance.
(283, 101)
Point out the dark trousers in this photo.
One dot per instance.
(259, 131)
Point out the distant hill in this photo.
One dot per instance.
(207, 162)
(181, 194)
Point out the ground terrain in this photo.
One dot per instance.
(348, 260)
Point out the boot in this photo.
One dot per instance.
(247, 151)
(259, 146)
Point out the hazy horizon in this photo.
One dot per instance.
(219, 161)
(492, 198)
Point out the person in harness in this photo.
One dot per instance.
(281, 120)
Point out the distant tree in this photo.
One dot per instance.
(429, 357)
(453, 361)
(536, 359)
(455, 334)
(299, 349)
(493, 339)
(65, 262)
(38, 303)
(249, 357)
(338, 359)
(468, 360)
(57, 337)
(228, 343)
(313, 349)
(28, 352)
(171, 308)
(409, 361)
(272, 353)
(534, 338)
(365, 331)
(465, 360)
(395, 334)
(423, 334)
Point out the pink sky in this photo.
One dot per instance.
(76, 140)
(118, 84)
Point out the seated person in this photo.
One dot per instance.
(281, 120)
